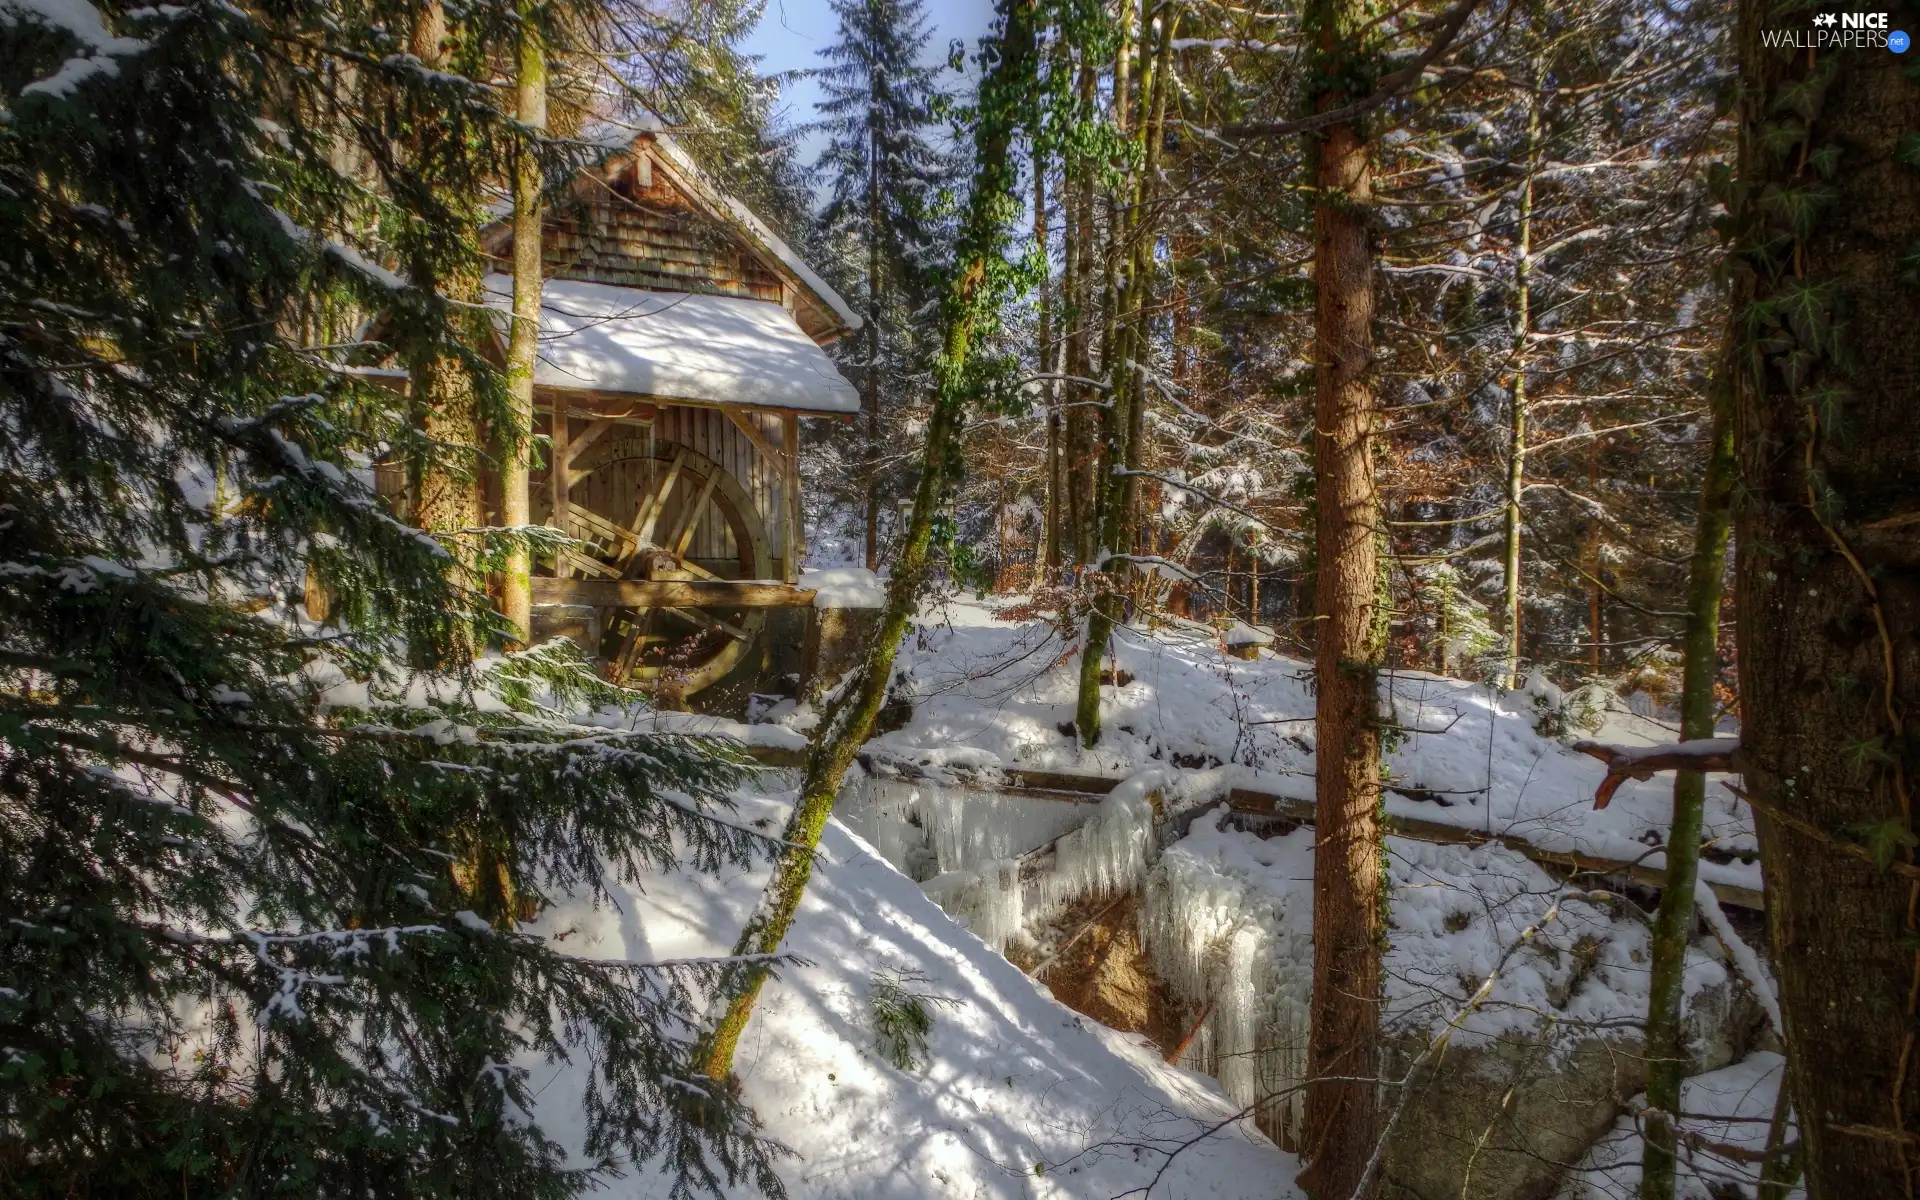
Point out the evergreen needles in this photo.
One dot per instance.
(260, 883)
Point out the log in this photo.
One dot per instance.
(693, 593)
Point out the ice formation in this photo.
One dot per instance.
(1221, 941)
(927, 829)
(1228, 923)
(1000, 862)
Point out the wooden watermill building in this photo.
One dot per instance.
(680, 346)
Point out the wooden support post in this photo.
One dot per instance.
(795, 540)
(558, 479)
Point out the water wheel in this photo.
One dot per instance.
(639, 503)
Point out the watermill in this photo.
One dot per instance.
(639, 506)
(680, 345)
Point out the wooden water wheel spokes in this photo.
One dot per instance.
(639, 502)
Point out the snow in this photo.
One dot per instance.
(678, 346)
(1731, 1107)
(1019, 1097)
(81, 21)
(1242, 634)
(1228, 919)
(1751, 968)
(845, 587)
(1464, 754)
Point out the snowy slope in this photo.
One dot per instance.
(988, 691)
(1021, 1098)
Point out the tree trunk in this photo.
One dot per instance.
(1042, 359)
(446, 486)
(871, 377)
(1083, 421)
(1004, 95)
(1594, 565)
(1828, 580)
(1125, 419)
(1666, 1044)
(530, 96)
(1517, 398)
(1349, 864)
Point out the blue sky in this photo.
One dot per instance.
(793, 32)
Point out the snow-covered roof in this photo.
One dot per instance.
(678, 346)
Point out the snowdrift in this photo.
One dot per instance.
(1018, 1096)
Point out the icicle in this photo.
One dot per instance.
(1214, 938)
(986, 900)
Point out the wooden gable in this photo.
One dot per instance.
(637, 220)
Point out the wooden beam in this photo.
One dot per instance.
(587, 566)
(796, 542)
(744, 423)
(706, 620)
(558, 475)
(639, 407)
(691, 519)
(691, 593)
(576, 446)
(651, 508)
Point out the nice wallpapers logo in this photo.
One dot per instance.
(1841, 31)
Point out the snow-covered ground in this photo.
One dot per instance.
(989, 692)
(1018, 1096)
(1022, 1097)
(1731, 1108)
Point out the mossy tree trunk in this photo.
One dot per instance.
(530, 96)
(1006, 93)
(1666, 1047)
(1124, 418)
(444, 483)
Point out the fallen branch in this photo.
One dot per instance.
(1641, 762)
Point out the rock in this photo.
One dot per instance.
(1503, 1120)
(834, 641)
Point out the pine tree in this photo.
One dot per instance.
(258, 881)
(885, 175)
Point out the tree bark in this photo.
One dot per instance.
(871, 377)
(1517, 397)
(1042, 359)
(1004, 94)
(1666, 1047)
(523, 346)
(445, 485)
(1119, 490)
(1083, 421)
(1349, 865)
(1828, 579)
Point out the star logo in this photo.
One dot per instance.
(1825, 19)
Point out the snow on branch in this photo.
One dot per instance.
(1641, 762)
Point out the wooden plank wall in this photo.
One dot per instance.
(613, 494)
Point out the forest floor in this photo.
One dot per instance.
(1015, 1094)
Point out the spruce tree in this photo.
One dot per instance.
(259, 882)
(884, 174)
